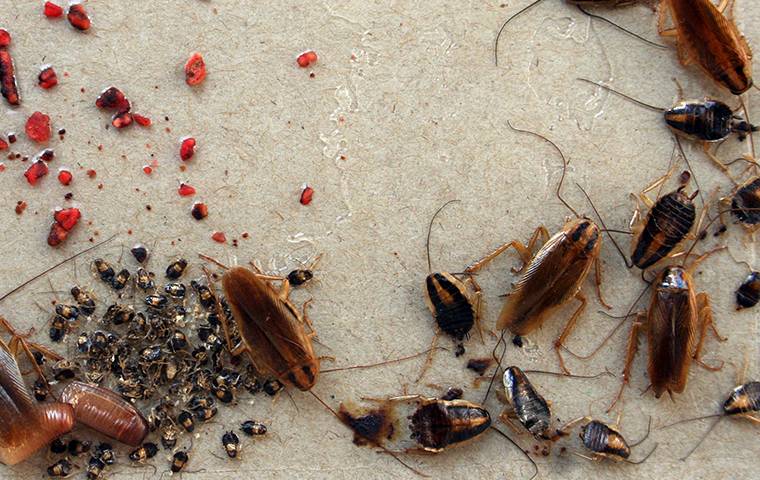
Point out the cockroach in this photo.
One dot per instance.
(231, 444)
(528, 406)
(745, 203)
(175, 290)
(140, 252)
(119, 314)
(58, 446)
(205, 297)
(605, 441)
(185, 419)
(706, 37)
(104, 270)
(552, 276)
(300, 276)
(176, 269)
(78, 447)
(95, 467)
(40, 391)
(104, 452)
(120, 280)
(453, 393)
(169, 435)
(179, 460)
(251, 428)
(205, 414)
(144, 452)
(61, 469)
(178, 341)
(64, 370)
(57, 329)
(26, 426)
(106, 412)
(156, 301)
(144, 280)
(83, 299)
(69, 312)
(748, 293)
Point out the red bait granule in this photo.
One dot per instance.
(78, 17)
(141, 120)
(2, 167)
(122, 119)
(112, 98)
(36, 171)
(185, 190)
(3, 144)
(20, 207)
(5, 38)
(187, 149)
(219, 237)
(195, 69)
(57, 235)
(47, 77)
(38, 127)
(307, 58)
(65, 176)
(147, 169)
(92, 173)
(199, 211)
(306, 195)
(8, 86)
(52, 10)
(67, 218)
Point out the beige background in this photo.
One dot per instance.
(405, 112)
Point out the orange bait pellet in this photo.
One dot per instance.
(195, 69)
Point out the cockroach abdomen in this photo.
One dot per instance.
(743, 399)
(452, 309)
(600, 438)
(748, 293)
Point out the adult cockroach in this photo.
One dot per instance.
(554, 275)
(748, 293)
(704, 35)
(26, 426)
(106, 412)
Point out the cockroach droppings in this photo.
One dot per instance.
(195, 69)
(47, 78)
(306, 195)
(51, 10)
(92, 173)
(36, 171)
(140, 252)
(20, 207)
(185, 190)
(78, 17)
(219, 237)
(187, 148)
(38, 127)
(199, 211)
(65, 176)
(307, 58)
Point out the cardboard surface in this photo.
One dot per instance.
(406, 111)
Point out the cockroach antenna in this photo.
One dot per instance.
(498, 361)
(535, 467)
(430, 228)
(622, 29)
(50, 269)
(564, 164)
(503, 26)
(601, 220)
(623, 95)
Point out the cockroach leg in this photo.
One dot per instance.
(718, 163)
(558, 344)
(564, 429)
(21, 339)
(705, 320)
(429, 358)
(631, 350)
(662, 18)
(240, 348)
(598, 282)
(526, 253)
(305, 315)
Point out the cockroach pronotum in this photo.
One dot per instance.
(552, 276)
(705, 36)
(748, 293)
(106, 412)
(26, 426)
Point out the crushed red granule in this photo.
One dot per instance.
(141, 120)
(64, 221)
(185, 190)
(199, 211)
(2, 167)
(8, 86)
(52, 10)
(38, 127)
(219, 237)
(121, 120)
(307, 58)
(5, 38)
(3, 144)
(47, 78)
(65, 176)
(57, 235)
(306, 195)
(195, 69)
(36, 171)
(147, 169)
(114, 99)
(78, 17)
(20, 207)
(92, 173)
(187, 148)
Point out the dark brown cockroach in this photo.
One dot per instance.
(120, 280)
(176, 269)
(95, 467)
(60, 469)
(748, 293)
(84, 300)
(528, 406)
(179, 460)
(106, 412)
(667, 223)
(251, 428)
(26, 426)
(605, 441)
(706, 37)
(144, 452)
(231, 444)
(104, 270)
(745, 203)
(552, 276)
(301, 276)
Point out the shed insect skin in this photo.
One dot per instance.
(748, 293)
(704, 35)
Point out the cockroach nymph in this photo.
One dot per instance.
(156, 301)
(205, 297)
(176, 269)
(78, 447)
(69, 312)
(140, 252)
(745, 202)
(185, 420)
(58, 327)
(144, 280)
(105, 453)
(251, 428)
(64, 370)
(104, 270)
(58, 446)
(120, 280)
(144, 452)
(119, 314)
(528, 406)
(748, 293)
(604, 441)
(175, 290)
(302, 276)
(231, 444)
(179, 460)
(95, 467)
(169, 435)
(84, 300)
(61, 468)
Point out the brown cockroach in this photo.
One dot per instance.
(745, 203)
(553, 275)
(704, 35)
(606, 442)
(106, 412)
(26, 426)
(748, 293)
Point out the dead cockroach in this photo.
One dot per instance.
(251, 428)
(95, 467)
(106, 412)
(179, 460)
(104, 452)
(69, 312)
(748, 293)
(175, 290)
(528, 406)
(143, 279)
(205, 297)
(606, 442)
(169, 434)
(704, 35)
(84, 300)
(745, 203)
(120, 280)
(60, 469)
(231, 444)
(144, 452)
(185, 419)
(156, 301)
(104, 270)
(552, 276)
(78, 447)
(58, 327)
(26, 426)
(300, 276)
(176, 269)
(140, 252)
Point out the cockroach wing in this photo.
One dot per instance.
(670, 337)
(553, 276)
(270, 329)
